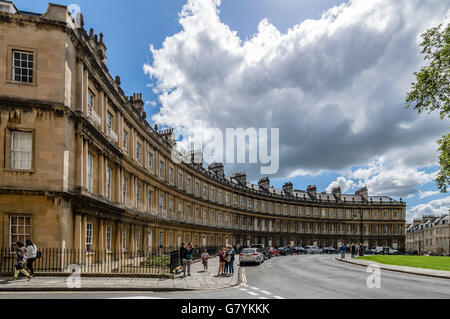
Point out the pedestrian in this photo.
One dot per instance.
(227, 261)
(342, 249)
(181, 253)
(20, 254)
(353, 250)
(231, 262)
(221, 261)
(238, 248)
(31, 256)
(187, 259)
(205, 257)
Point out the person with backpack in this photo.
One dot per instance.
(230, 263)
(222, 258)
(31, 256)
(20, 255)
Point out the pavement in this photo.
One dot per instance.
(199, 280)
(404, 269)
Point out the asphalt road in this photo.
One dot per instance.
(293, 277)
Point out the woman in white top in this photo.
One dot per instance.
(31, 255)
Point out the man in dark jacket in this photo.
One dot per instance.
(181, 253)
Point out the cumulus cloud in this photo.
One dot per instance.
(428, 194)
(345, 184)
(436, 207)
(334, 86)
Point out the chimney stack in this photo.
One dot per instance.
(336, 191)
(312, 191)
(217, 168)
(264, 183)
(240, 177)
(288, 188)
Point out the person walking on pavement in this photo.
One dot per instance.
(238, 248)
(205, 257)
(31, 256)
(181, 253)
(187, 260)
(342, 250)
(353, 250)
(20, 255)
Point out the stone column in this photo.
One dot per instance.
(80, 85)
(79, 161)
(85, 162)
(83, 232)
(85, 90)
(118, 184)
(101, 235)
(101, 180)
(77, 232)
(102, 110)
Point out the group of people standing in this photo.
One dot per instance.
(24, 255)
(226, 259)
(353, 250)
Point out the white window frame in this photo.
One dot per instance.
(21, 150)
(22, 236)
(21, 68)
(89, 236)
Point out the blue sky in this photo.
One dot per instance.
(340, 82)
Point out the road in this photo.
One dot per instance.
(292, 277)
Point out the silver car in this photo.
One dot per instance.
(313, 250)
(250, 255)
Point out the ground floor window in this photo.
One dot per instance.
(108, 237)
(89, 232)
(19, 230)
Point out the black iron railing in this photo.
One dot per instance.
(103, 262)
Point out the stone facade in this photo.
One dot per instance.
(82, 168)
(429, 235)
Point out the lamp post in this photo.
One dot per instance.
(361, 251)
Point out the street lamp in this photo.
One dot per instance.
(361, 251)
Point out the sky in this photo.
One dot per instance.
(331, 75)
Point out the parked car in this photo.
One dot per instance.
(313, 250)
(330, 250)
(368, 251)
(298, 250)
(251, 255)
(284, 251)
(262, 249)
(274, 252)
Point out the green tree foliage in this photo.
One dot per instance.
(431, 91)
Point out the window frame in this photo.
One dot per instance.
(10, 63)
(9, 148)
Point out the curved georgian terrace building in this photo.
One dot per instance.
(81, 167)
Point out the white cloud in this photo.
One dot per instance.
(334, 86)
(345, 184)
(428, 194)
(435, 207)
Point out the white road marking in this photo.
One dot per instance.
(137, 297)
(254, 288)
(262, 298)
(253, 293)
(243, 289)
(266, 292)
(278, 297)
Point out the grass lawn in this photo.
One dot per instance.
(429, 262)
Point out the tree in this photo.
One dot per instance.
(431, 91)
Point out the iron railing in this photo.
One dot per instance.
(96, 262)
